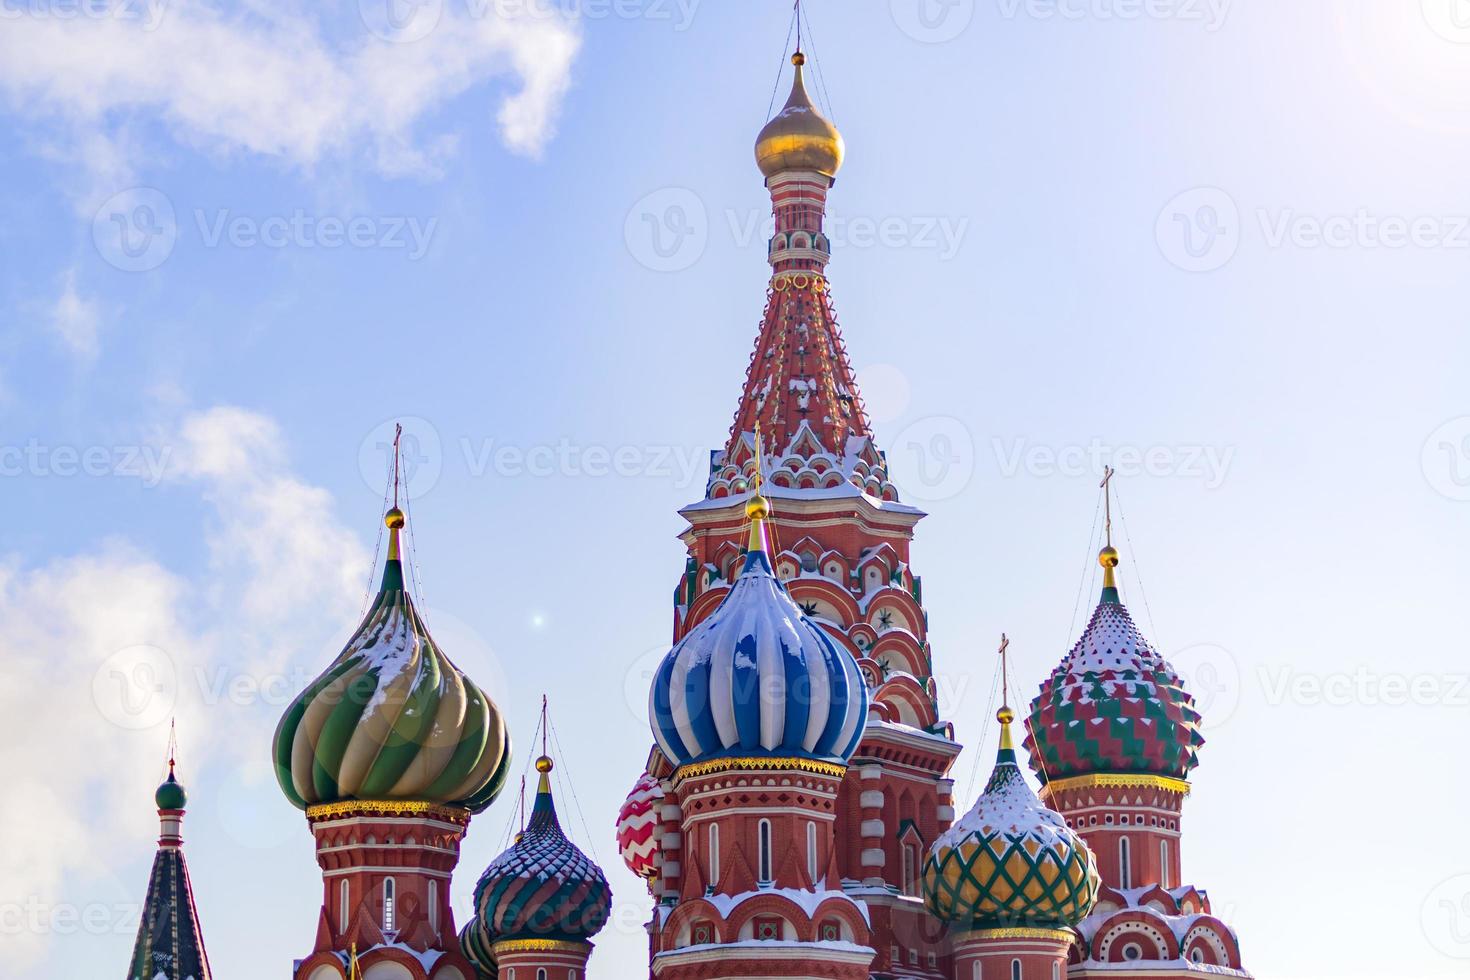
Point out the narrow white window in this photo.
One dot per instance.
(1164, 864)
(714, 853)
(811, 852)
(975, 973)
(540, 975)
(434, 906)
(1056, 971)
(908, 869)
(1125, 869)
(390, 901)
(765, 850)
(342, 906)
(1015, 970)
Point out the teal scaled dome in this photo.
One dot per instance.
(544, 887)
(392, 719)
(171, 795)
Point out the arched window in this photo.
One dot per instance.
(540, 975)
(714, 853)
(764, 833)
(1015, 970)
(910, 875)
(1164, 864)
(390, 902)
(1125, 869)
(342, 906)
(434, 906)
(1056, 971)
(811, 851)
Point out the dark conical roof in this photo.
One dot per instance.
(170, 943)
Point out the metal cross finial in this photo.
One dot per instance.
(760, 459)
(397, 456)
(1005, 672)
(1107, 488)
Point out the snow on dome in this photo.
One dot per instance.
(637, 825)
(758, 678)
(392, 718)
(543, 887)
(1113, 705)
(1010, 861)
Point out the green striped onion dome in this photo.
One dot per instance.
(1010, 861)
(475, 944)
(544, 887)
(392, 718)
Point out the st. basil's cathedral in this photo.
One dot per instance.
(795, 817)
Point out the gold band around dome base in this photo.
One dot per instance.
(783, 281)
(1117, 780)
(396, 808)
(1017, 932)
(697, 769)
(539, 946)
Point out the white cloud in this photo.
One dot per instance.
(102, 648)
(76, 320)
(269, 82)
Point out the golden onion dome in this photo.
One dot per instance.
(799, 137)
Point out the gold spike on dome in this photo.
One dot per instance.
(759, 507)
(799, 137)
(1108, 556)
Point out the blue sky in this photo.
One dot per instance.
(1221, 245)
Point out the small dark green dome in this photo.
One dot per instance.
(171, 795)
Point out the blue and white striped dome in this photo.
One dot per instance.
(758, 679)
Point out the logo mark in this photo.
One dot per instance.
(421, 463)
(1445, 459)
(135, 230)
(1445, 917)
(932, 21)
(136, 688)
(1199, 230)
(401, 21)
(1212, 675)
(1450, 19)
(935, 459)
(668, 230)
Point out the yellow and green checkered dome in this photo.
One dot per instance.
(393, 718)
(1010, 861)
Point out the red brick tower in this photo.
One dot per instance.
(839, 544)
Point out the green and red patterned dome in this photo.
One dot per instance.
(1113, 705)
(544, 887)
(1010, 861)
(392, 718)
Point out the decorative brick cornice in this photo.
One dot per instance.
(391, 808)
(1116, 780)
(699, 769)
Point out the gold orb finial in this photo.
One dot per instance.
(1108, 557)
(544, 765)
(798, 59)
(758, 508)
(394, 519)
(1005, 716)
